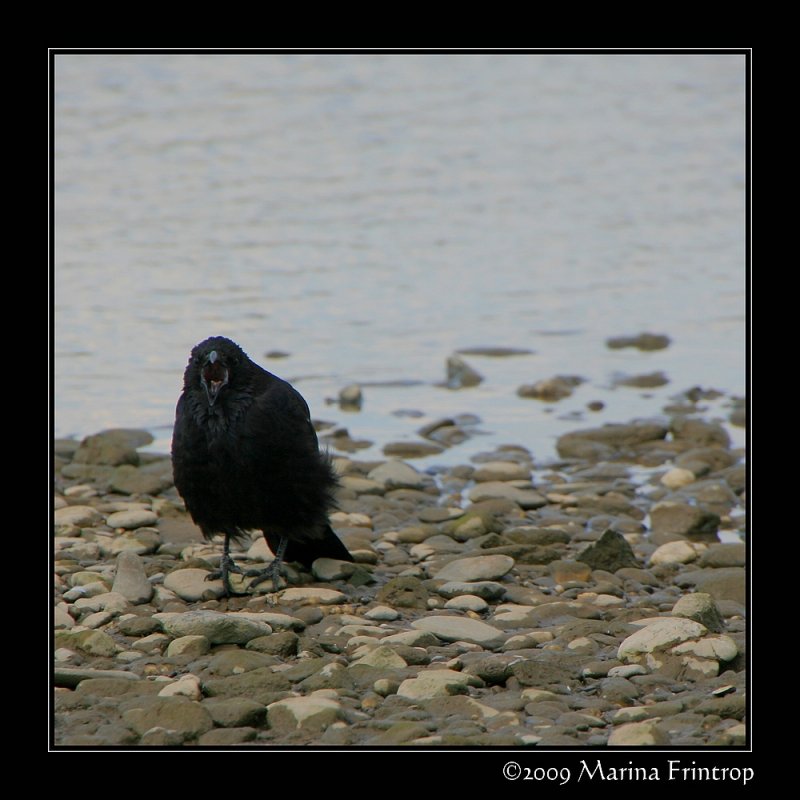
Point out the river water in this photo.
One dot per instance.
(371, 214)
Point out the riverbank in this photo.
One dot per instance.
(598, 599)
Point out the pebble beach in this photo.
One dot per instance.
(597, 598)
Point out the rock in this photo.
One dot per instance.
(331, 569)
(725, 583)
(568, 571)
(161, 737)
(237, 661)
(134, 518)
(718, 648)
(127, 479)
(467, 602)
(70, 677)
(460, 374)
(555, 670)
(699, 432)
(725, 554)
(112, 447)
(493, 490)
(486, 590)
(660, 634)
(678, 552)
(382, 657)
(235, 712)
(227, 736)
(382, 614)
(642, 341)
(218, 628)
(610, 553)
(395, 474)
(351, 397)
(187, 717)
(256, 684)
(501, 471)
(404, 592)
(461, 629)
(191, 584)
(550, 390)
(608, 440)
(412, 449)
(80, 516)
(701, 608)
(400, 733)
(436, 683)
(194, 646)
(494, 352)
(186, 686)
(677, 477)
(313, 713)
(415, 638)
(650, 380)
(637, 734)
(283, 644)
(312, 595)
(478, 568)
(683, 519)
(131, 580)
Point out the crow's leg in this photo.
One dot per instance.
(273, 570)
(226, 566)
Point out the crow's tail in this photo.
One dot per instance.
(329, 545)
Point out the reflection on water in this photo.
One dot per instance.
(370, 215)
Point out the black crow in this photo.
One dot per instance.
(245, 457)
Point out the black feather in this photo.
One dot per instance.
(245, 456)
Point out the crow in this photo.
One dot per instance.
(245, 456)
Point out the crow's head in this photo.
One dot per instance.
(213, 365)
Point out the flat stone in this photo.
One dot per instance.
(724, 554)
(487, 590)
(415, 638)
(187, 685)
(80, 516)
(683, 519)
(332, 569)
(478, 568)
(678, 552)
(110, 448)
(567, 571)
(677, 477)
(498, 490)
(467, 602)
(127, 479)
(313, 713)
(461, 629)
(660, 634)
(235, 712)
(404, 592)
(719, 648)
(227, 736)
(436, 683)
(638, 734)
(180, 714)
(312, 595)
(724, 583)
(190, 584)
(217, 627)
(396, 474)
(134, 518)
(412, 449)
(131, 580)
(501, 471)
(70, 677)
(382, 614)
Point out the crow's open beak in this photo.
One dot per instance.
(213, 378)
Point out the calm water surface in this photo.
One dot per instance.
(369, 215)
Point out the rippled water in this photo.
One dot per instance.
(371, 214)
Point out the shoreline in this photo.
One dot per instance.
(586, 601)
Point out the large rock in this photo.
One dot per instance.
(180, 714)
(478, 568)
(609, 440)
(80, 516)
(725, 583)
(131, 579)
(659, 634)
(112, 447)
(191, 585)
(500, 490)
(217, 627)
(436, 683)
(682, 519)
(461, 629)
(313, 713)
(396, 474)
(701, 608)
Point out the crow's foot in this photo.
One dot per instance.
(272, 572)
(226, 566)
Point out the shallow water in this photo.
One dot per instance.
(370, 215)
